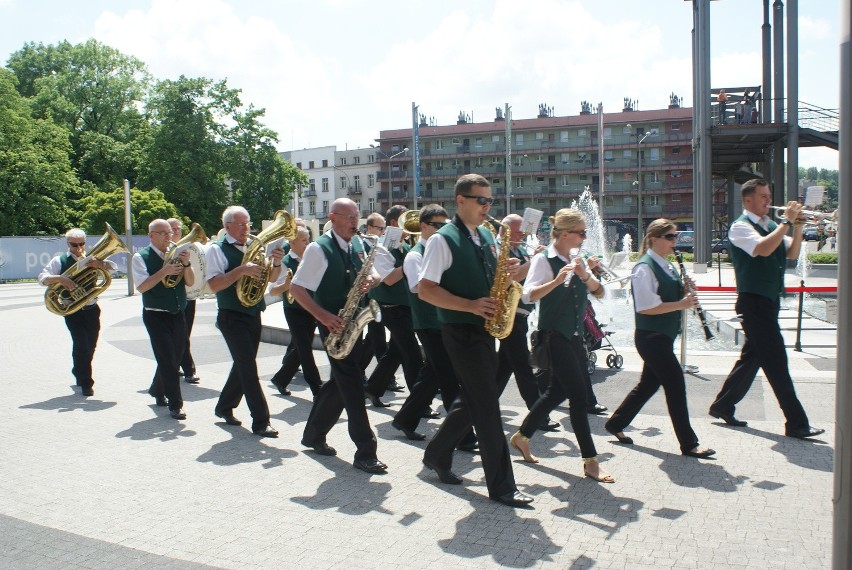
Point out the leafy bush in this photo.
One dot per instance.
(822, 257)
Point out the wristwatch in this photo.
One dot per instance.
(786, 221)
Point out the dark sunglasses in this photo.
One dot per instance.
(76, 244)
(670, 237)
(481, 200)
(581, 233)
(436, 225)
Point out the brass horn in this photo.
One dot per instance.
(411, 222)
(250, 291)
(196, 234)
(807, 216)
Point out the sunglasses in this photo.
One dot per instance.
(581, 233)
(76, 244)
(481, 200)
(436, 225)
(670, 237)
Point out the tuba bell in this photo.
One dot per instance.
(90, 281)
(250, 291)
(411, 222)
(196, 234)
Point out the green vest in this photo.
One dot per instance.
(159, 296)
(394, 294)
(760, 275)
(564, 308)
(523, 256)
(471, 273)
(670, 289)
(335, 284)
(227, 297)
(423, 315)
(65, 262)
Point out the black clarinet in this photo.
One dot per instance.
(708, 334)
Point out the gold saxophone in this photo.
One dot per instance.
(504, 289)
(250, 291)
(91, 281)
(290, 298)
(196, 234)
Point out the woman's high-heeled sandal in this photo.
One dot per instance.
(522, 443)
(600, 478)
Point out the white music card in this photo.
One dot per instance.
(393, 237)
(532, 219)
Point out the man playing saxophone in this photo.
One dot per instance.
(240, 325)
(85, 324)
(163, 311)
(329, 268)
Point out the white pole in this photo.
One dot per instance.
(128, 228)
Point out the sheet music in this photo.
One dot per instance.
(393, 237)
(273, 245)
(82, 262)
(532, 219)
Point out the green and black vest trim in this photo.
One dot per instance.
(159, 296)
(472, 271)
(670, 289)
(423, 315)
(339, 275)
(760, 275)
(562, 310)
(227, 297)
(395, 294)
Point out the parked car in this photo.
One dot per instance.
(811, 235)
(722, 246)
(685, 241)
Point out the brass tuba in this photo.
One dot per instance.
(507, 292)
(90, 281)
(250, 291)
(410, 222)
(196, 234)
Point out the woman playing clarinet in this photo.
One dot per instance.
(658, 299)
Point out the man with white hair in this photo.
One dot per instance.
(85, 324)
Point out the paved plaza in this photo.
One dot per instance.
(113, 482)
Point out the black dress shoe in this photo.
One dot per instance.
(161, 401)
(409, 433)
(377, 403)
(321, 448)
(727, 418)
(177, 414)
(621, 438)
(804, 433)
(444, 475)
(88, 391)
(373, 466)
(396, 387)
(700, 454)
(470, 447)
(229, 419)
(514, 499)
(549, 426)
(597, 409)
(430, 414)
(191, 379)
(266, 431)
(282, 389)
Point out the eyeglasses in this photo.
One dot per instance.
(76, 244)
(380, 228)
(350, 217)
(164, 232)
(481, 200)
(581, 233)
(670, 237)
(436, 225)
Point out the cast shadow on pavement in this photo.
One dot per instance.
(819, 455)
(348, 490)
(499, 532)
(244, 447)
(70, 404)
(162, 427)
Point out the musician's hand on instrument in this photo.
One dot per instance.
(184, 257)
(689, 301)
(172, 268)
(594, 264)
(67, 282)
(252, 270)
(369, 283)
(793, 212)
(95, 264)
(577, 266)
(331, 321)
(539, 248)
(485, 307)
(277, 254)
(512, 267)
(689, 282)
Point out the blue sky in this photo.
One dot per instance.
(334, 72)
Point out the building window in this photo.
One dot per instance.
(628, 153)
(342, 161)
(675, 126)
(370, 180)
(610, 179)
(312, 208)
(357, 178)
(299, 165)
(477, 142)
(676, 150)
(628, 199)
(478, 162)
(358, 204)
(674, 198)
(456, 140)
(565, 158)
(655, 154)
(394, 148)
(625, 130)
(653, 200)
(584, 177)
(439, 165)
(343, 182)
(654, 176)
(608, 155)
(325, 184)
(324, 207)
(495, 138)
(539, 136)
(439, 144)
(313, 185)
(675, 174)
(325, 163)
(440, 185)
(609, 201)
(566, 181)
(371, 158)
(371, 204)
(607, 132)
(519, 139)
(519, 182)
(311, 164)
(357, 160)
(519, 204)
(581, 132)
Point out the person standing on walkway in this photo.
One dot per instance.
(239, 325)
(760, 249)
(457, 274)
(187, 364)
(300, 323)
(85, 324)
(658, 302)
(560, 321)
(321, 285)
(163, 311)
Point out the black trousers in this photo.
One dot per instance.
(438, 373)
(661, 368)
(344, 390)
(764, 348)
(167, 332)
(377, 342)
(300, 351)
(514, 357)
(187, 364)
(568, 363)
(242, 335)
(85, 327)
(403, 349)
(474, 360)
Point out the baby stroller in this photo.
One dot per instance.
(594, 339)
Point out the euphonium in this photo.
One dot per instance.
(250, 291)
(196, 234)
(90, 281)
(507, 292)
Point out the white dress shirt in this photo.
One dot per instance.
(744, 236)
(540, 271)
(217, 263)
(411, 267)
(314, 263)
(645, 284)
(437, 257)
(53, 267)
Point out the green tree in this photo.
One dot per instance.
(35, 172)
(101, 207)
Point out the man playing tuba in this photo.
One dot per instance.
(85, 324)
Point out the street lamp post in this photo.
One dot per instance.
(390, 171)
(638, 184)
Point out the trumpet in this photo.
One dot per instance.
(806, 216)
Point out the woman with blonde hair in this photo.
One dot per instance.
(559, 284)
(658, 300)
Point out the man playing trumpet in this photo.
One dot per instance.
(760, 250)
